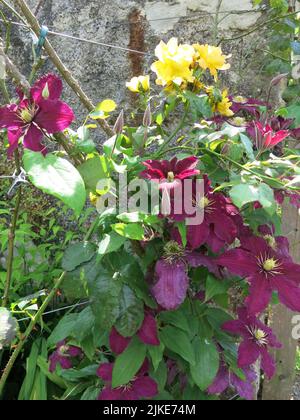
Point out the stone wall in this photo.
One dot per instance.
(140, 25)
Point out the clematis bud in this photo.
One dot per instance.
(2, 68)
(147, 120)
(277, 79)
(8, 328)
(119, 125)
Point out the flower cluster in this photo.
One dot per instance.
(262, 259)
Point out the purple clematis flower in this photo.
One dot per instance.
(170, 174)
(294, 197)
(250, 105)
(267, 270)
(264, 136)
(257, 337)
(171, 275)
(64, 355)
(148, 334)
(219, 225)
(227, 379)
(42, 113)
(141, 387)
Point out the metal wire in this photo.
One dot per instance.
(75, 38)
(58, 310)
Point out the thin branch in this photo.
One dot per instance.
(64, 71)
(256, 28)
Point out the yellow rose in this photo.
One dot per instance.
(224, 106)
(139, 84)
(174, 63)
(211, 58)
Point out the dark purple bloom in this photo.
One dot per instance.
(219, 225)
(170, 174)
(267, 270)
(141, 387)
(148, 334)
(264, 136)
(64, 355)
(251, 106)
(43, 112)
(171, 274)
(228, 379)
(294, 197)
(257, 338)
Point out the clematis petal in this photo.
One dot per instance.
(268, 364)
(188, 163)
(13, 140)
(54, 116)
(278, 138)
(248, 353)
(105, 371)
(32, 139)
(51, 83)
(65, 363)
(117, 342)
(172, 285)
(221, 383)
(197, 235)
(260, 295)
(109, 394)
(145, 387)
(75, 351)
(289, 293)
(244, 388)
(239, 262)
(9, 117)
(235, 327)
(148, 333)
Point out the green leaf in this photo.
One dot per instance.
(56, 176)
(179, 342)
(64, 329)
(77, 254)
(248, 145)
(84, 325)
(133, 231)
(90, 394)
(156, 354)
(93, 171)
(199, 105)
(111, 242)
(214, 287)
(244, 193)
(207, 363)
(176, 318)
(131, 313)
(128, 363)
(181, 226)
(138, 217)
(104, 291)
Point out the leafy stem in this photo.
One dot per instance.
(36, 319)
